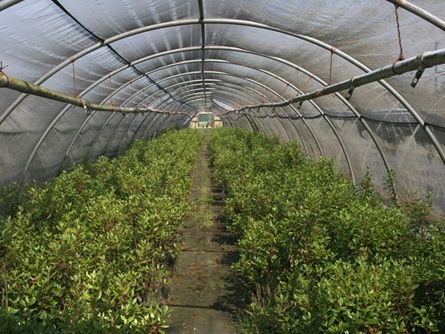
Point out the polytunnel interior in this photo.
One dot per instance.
(155, 64)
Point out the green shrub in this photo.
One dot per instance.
(320, 255)
(90, 252)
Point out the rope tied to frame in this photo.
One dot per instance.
(132, 103)
(330, 67)
(72, 60)
(399, 35)
(111, 88)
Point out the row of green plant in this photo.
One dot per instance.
(320, 255)
(90, 251)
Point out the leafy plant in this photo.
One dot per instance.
(320, 255)
(90, 252)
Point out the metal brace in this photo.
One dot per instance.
(418, 73)
(84, 106)
(417, 76)
(351, 90)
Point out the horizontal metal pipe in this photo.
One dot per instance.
(8, 3)
(32, 89)
(416, 10)
(422, 61)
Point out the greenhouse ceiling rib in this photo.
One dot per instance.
(419, 63)
(252, 81)
(289, 84)
(8, 3)
(203, 45)
(416, 10)
(125, 61)
(422, 61)
(107, 146)
(397, 2)
(225, 85)
(28, 88)
(257, 25)
(405, 4)
(260, 85)
(133, 32)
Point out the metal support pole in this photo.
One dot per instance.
(420, 12)
(158, 129)
(425, 60)
(422, 61)
(203, 45)
(8, 3)
(252, 123)
(322, 82)
(245, 87)
(29, 88)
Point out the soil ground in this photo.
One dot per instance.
(203, 293)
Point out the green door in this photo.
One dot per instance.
(204, 119)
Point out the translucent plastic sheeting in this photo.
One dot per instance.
(137, 46)
(129, 133)
(119, 16)
(38, 46)
(238, 122)
(50, 158)
(406, 147)
(301, 52)
(36, 35)
(330, 144)
(136, 53)
(411, 154)
(117, 136)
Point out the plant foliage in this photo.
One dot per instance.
(90, 251)
(320, 255)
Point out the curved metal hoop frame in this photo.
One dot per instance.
(203, 22)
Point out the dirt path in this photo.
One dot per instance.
(200, 295)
